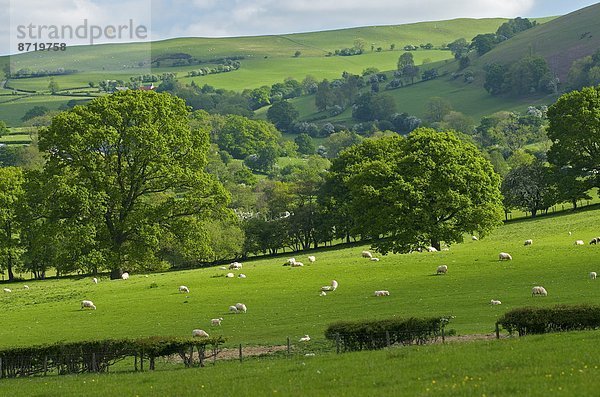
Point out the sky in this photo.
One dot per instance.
(222, 18)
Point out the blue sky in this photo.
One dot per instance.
(220, 18)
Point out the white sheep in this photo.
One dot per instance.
(593, 275)
(290, 262)
(311, 259)
(442, 269)
(305, 338)
(86, 303)
(242, 275)
(199, 333)
(216, 321)
(183, 288)
(539, 291)
(233, 309)
(495, 302)
(367, 254)
(334, 285)
(297, 264)
(595, 240)
(382, 293)
(503, 256)
(579, 242)
(528, 242)
(26, 287)
(474, 238)
(230, 275)
(323, 293)
(240, 307)
(125, 276)
(235, 265)
(7, 290)
(95, 280)
(431, 249)
(375, 259)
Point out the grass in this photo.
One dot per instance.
(559, 364)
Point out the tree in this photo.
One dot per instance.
(459, 48)
(437, 109)
(574, 129)
(529, 188)
(283, 114)
(11, 193)
(495, 75)
(141, 168)
(305, 144)
(35, 112)
(359, 45)
(483, 43)
(405, 59)
(242, 137)
(408, 193)
(323, 96)
(339, 141)
(297, 54)
(53, 86)
(3, 129)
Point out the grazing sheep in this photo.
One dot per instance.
(579, 242)
(233, 309)
(305, 338)
(26, 287)
(199, 333)
(312, 259)
(334, 285)
(125, 276)
(216, 321)
(230, 275)
(503, 256)
(474, 238)
(595, 240)
(235, 266)
(327, 288)
(95, 280)
(297, 264)
(242, 275)
(382, 293)
(89, 304)
(528, 242)
(323, 293)
(443, 269)
(290, 262)
(375, 259)
(7, 290)
(539, 291)
(593, 275)
(495, 302)
(183, 288)
(240, 307)
(367, 254)
(431, 249)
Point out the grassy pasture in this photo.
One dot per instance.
(285, 302)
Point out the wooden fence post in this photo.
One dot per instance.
(135, 361)
(288, 346)
(443, 334)
(497, 331)
(387, 338)
(337, 343)
(241, 357)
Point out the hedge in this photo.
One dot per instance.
(377, 334)
(561, 318)
(98, 356)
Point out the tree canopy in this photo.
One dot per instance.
(408, 193)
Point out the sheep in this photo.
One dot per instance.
(305, 338)
(570, 233)
(216, 321)
(326, 288)
(495, 302)
(230, 275)
(593, 275)
(503, 256)
(7, 290)
(183, 288)
(443, 269)
(367, 254)
(595, 240)
(375, 259)
(222, 268)
(312, 259)
(382, 293)
(235, 266)
(242, 275)
(86, 303)
(297, 264)
(290, 262)
(334, 285)
(528, 242)
(323, 293)
(539, 291)
(199, 333)
(474, 238)
(431, 249)
(125, 276)
(233, 309)
(240, 307)
(95, 280)
(579, 242)
(26, 287)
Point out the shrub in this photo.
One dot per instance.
(377, 334)
(561, 318)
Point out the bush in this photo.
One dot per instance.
(561, 318)
(377, 334)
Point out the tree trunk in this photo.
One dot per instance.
(533, 213)
(116, 274)
(436, 244)
(574, 204)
